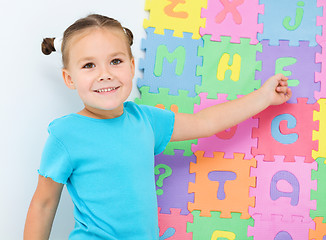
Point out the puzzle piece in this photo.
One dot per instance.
(320, 194)
(283, 188)
(320, 232)
(170, 62)
(286, 130)
(217, 189)
(237, 139)
(176, 221)
(176, 103)
(218, 76)
(321, 134)
(216, 227)
(320, 76)
(321, 58)
(290, 20)
(183, 103)
(276, 229)
(298, 63)
(175, 187)
(178, 15)
(238, 19)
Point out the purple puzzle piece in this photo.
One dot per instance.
(175, 187)
(298, 62)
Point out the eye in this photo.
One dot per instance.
(89, 65)
(116, 61)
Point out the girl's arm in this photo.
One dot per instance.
(220, 117)
(42, 209)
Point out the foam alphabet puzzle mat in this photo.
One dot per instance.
(264, 178)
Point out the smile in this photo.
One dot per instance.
(106, 89)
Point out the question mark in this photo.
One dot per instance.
(167, 173)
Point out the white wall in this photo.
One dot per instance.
(33, 94)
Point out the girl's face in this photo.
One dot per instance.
(101, 70)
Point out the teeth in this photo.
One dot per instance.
(105, 90)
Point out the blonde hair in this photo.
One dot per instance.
(93, 20)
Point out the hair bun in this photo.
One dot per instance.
(48, 46)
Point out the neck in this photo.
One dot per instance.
(101, 114)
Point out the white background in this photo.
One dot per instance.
(33, 94)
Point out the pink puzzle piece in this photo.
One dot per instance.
(235, 140)
(174, 225)
(321, 58)
(237, 18)
(276, 229)
(283, 188)
(286, 130)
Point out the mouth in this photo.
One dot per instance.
(110, 89)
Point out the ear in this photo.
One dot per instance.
(68, 80)
(133, 66)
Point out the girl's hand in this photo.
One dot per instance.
(276, 89)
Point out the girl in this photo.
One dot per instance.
(105, 152)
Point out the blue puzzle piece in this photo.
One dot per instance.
(290, 20)
(170, 62)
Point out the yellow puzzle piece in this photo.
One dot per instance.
(178, 15)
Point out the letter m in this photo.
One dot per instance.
(163, 53)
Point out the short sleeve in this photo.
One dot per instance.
(162, 122)
(55, 161)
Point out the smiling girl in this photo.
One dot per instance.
(105, 153)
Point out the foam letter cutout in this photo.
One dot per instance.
(298, 18)
(227, 134)
(230, 7)
(163, 52)
(276, 132)
(169, 10)
(223, 66)
(292, 180)
(221, 177)
(223, 234)
(279, 68)
(283, 236)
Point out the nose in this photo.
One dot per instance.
(105, 74)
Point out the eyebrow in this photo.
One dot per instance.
(89, 59)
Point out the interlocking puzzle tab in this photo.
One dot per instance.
(318, 233)
(286, 130)
(222, 185)
(320, 194)
(228, 68)
(290, 20)
(321, 58)
(320, 135)
(178, 15)
(238, 19)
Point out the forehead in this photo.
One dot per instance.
(98, 40)
(101, 35)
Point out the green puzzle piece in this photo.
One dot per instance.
(180, 103)
(228, 68)
(320, 194)
(215, 227)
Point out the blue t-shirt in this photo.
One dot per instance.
(108, 168)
